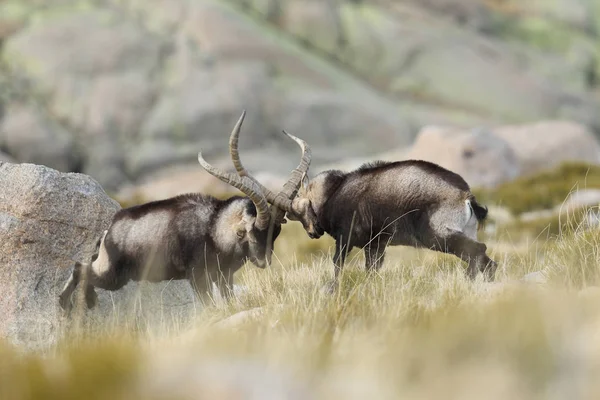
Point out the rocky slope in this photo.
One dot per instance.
(121, 89)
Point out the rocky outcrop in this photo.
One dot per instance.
(48, 220)
(453, 54)
(489, 157)
(124, 90)
(547, 144)
(155, 95)
(481, 158)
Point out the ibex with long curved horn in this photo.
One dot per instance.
(411, 203)
(191, 236)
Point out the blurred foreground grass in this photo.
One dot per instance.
(417, 329)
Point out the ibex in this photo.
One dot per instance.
(411, 203)
(191, 236)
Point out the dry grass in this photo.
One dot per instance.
(417, 329)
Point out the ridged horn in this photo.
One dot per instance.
(233, 146)
(284, 198)
(246, 186)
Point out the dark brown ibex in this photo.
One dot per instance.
(411, 203)
(192, 236)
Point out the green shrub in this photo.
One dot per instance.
(542, 191)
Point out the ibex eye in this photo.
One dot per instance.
(241, 234)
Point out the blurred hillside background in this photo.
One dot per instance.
(504, 92)
(128, 91)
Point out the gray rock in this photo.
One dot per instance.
(30, 137)
(592, 219)
(481, 158)
(536, 215)
(48, 220)
(547, 144)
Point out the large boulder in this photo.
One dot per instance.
(48, 220)
(547, 144)
(480, 157)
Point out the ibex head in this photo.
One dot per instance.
(285, 201)
(306, 206)
(258, 227)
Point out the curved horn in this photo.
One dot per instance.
(233, 146)
(237, 162)
(247, 186)
(295, 180)
(283, 199)
(290, 189)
